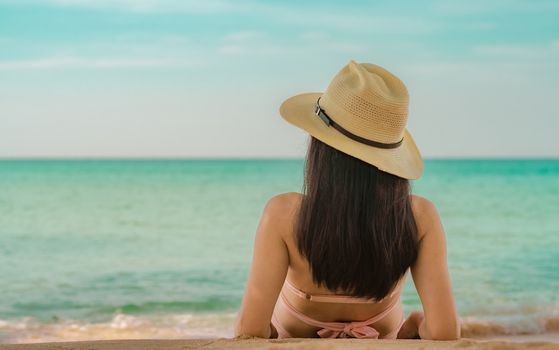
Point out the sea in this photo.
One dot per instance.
(109, 249)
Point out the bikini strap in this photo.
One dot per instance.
(329, 298)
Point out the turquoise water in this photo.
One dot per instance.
(94, 249)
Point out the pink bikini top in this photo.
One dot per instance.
(335, 298)
(359, 329)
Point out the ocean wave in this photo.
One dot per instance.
(479, 328)
(190, 326)
(121, 326)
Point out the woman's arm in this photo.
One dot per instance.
(268, 270)
(431, 277)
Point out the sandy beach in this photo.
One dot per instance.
(330, 344)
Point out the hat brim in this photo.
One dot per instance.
(404, 161)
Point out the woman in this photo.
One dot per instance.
(331, 262)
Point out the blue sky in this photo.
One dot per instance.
(171, 78)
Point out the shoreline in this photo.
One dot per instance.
(302, 344)
(126, 328)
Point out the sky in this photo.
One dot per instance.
(182, 78)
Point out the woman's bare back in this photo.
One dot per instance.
(299, 274)
(276, 258)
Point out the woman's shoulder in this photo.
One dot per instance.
(421, 204)
(425, 214)
(281, 209)
(283, 201)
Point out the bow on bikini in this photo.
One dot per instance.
(348, 330)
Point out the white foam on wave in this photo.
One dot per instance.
(121, 326)
(474, 327)
(190, 326)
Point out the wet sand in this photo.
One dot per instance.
(301, 344)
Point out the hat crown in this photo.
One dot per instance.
(368, 101)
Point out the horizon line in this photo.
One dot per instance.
(140, 158)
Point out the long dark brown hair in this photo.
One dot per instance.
(356, 226)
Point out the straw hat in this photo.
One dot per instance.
(363, 113)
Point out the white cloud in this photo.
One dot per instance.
(89, 63)
(293, 50)
(313, 36)
(361, 24)
(243, 42)
(476, 7)
(517, 52)
(260, 43)
(243, 36)
(193, 6)
(144, 38)
(232, 49)
(315, 20)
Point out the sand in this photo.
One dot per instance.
(301, 344)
